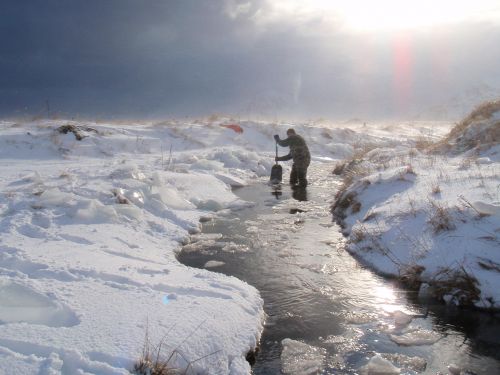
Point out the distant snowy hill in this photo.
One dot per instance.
(459, 105)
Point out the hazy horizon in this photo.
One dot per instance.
(162, 58)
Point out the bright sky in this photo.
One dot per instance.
(369, 15)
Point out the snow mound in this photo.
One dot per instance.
(485, 208)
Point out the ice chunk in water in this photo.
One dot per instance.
(379, 366)
(355, 317)
(416, 364)
(231, 180)
(416, 337)
(299, 358)
(207, 204)
(213, 263)
(401, 319)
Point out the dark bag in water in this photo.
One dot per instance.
(276, 171)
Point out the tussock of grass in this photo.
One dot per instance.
(441, 219)
(149, 366)
(410, 276)
(458, 284)
(463, 141)
(151, 362)
(423, 143)
(482, 112)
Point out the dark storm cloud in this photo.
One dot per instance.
(163, 57)
(169, 51)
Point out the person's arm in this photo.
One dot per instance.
(282, 142)
(284, 158)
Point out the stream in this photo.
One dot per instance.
(326, 314)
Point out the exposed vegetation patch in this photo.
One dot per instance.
(440, 219)
(480, 129)
(78, 131)
(457, 286)
(410, 276)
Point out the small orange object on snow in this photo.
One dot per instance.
(235, 127)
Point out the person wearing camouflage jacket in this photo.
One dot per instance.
(300, 155)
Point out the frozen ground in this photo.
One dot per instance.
(90, 229)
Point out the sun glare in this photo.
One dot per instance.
(399, 14)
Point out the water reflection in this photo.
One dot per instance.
(277, 193)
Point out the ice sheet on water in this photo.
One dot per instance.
(213, 263)
(232, 247)
(230, 180)
(348, 342)
(206, 237)
(417, 364)
(377, 365)
(416, 336)
(298, 358)
(354, 317)
(401, 319)
(203, 246)
(207, 204)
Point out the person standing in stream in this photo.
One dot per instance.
(300, 155)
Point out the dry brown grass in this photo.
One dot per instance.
(441, 219)
(436, 189)
(459, 284)
(151, 362)
(410, 276)
(489, 135)
(423, 143)
(482, 112)
(358, 234)
(150, 366)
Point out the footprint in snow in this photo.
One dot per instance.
(19, 303)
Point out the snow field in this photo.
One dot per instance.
(90, 229)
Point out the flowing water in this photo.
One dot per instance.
(326, 314)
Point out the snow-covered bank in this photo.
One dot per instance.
(431, 216)
(87, 257)
(90, 227)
